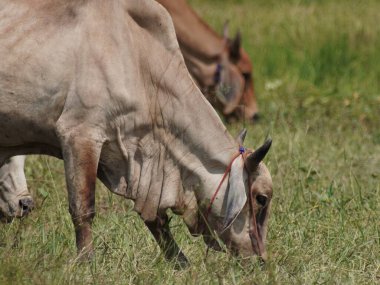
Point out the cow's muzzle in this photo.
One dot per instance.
(26, 205)
(255, 118)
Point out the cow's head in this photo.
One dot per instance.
(15, 200)
(235, 89)
(247, 204)
(241, 218)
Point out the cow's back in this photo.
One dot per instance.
(36, 71)
(50, 62)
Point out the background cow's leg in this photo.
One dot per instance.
(81, 161)
(161, 232)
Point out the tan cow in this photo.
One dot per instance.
(103, 85)
(215, 61)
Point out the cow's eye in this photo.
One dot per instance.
(262, 200)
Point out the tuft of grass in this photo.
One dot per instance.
(317, 81)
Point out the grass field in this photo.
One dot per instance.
(317, 75)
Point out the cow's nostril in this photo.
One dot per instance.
(26, 204)
(262, 200)
(256, 117)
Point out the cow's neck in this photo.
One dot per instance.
(194, 35)
(179, 145)
(186, 148)
(204, 73)
(193, 134)
(201, 46)
(200, 143)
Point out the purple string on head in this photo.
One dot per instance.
(217, 75)
(241, 149)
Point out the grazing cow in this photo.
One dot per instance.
(103, 86)
(212, 60)
(215, 62)
(15, 200)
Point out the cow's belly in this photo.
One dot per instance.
(18, 132)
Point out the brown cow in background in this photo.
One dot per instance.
(219, 65)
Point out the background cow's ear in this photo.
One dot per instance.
(257, 156)
(230, 90)
(236, 193)
(241, 137)
(234, 47)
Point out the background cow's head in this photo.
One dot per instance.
(236, 90)
(15, 200)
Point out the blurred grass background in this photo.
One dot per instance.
(317, 77)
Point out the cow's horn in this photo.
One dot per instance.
(258, 155)
(226, 30)
(241, 137)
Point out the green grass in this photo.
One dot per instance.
(317, 76)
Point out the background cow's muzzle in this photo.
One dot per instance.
(18, 209)
(255, 118)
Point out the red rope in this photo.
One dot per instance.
(228, 169)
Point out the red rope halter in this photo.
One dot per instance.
(253, 232)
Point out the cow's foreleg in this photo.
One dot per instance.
(81, 161)
(161, 232)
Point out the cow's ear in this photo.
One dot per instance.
(241, 137)
(230, 90)
(254, 159)
(234, 47)
(236, 193)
